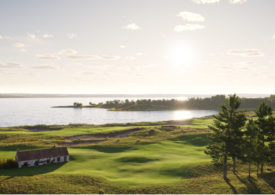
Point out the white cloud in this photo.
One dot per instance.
(139, 54)
(105, 57)
(237, 1)
(43, 67)
(71, 35)
(68, 52)
(274, 36)
(191, 17)
(4, 37)
(205, 1)
(188, 27)
(31, 36)
(19, 45)
(82, 57)
(47, 36)
(245, 52)
(132, 26)
(93, 57)
(122, 46)
(47, 56)
(130, 58)
(10, 65)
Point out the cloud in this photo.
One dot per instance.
(43, 67)
(71, 35)
(19, 45)
(205, 1)
(132, 26)
(129, 58)
(122, 46)
(237, 1)
(274, 36)
(191, 17)
(93, 57)
(47, 56)
(83, 57)
(245, 52)
(188, 27)
(47, 36)
(68, 52)
(2, 37)
(10, 65)
(31, 36)
(109, 57)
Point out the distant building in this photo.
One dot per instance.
(41, 157)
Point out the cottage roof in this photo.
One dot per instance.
(38, 154)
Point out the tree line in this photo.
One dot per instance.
(238, 138)
(210, 103)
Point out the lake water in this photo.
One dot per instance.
(32, 111)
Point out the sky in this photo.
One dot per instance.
(137, 46)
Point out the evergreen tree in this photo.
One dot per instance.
(265, 124)
(227, 135)
(250, 153)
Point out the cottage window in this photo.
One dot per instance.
(58, 159)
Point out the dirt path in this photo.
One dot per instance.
(85, 142)
(120, 134)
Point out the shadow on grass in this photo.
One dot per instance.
(107, 148)
(20, 147)
(136, 159)
(196, 140)
(231, 186)
(270, 179)
(30, 171)
(191, 171)
(252, 187)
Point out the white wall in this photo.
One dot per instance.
(43, 161)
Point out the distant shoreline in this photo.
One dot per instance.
(209, 103)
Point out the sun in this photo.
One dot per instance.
(181, 55)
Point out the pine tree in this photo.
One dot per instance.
(227, 135)
(250, 145)
(265, 124)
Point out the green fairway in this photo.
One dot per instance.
(155, 157)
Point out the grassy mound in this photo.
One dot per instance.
(152, 160)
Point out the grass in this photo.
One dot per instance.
(152, 160)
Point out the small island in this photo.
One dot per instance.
(209, 103)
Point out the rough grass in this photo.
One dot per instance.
(152, 160)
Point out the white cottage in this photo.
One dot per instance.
(42, 157)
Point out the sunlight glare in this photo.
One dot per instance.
(181, 55)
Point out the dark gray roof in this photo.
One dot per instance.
(38, 154)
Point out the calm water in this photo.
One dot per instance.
(32, 111)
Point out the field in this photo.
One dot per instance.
(165, 157)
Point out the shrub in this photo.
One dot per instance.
(8, 164)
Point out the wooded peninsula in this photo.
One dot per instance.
(209, 103)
